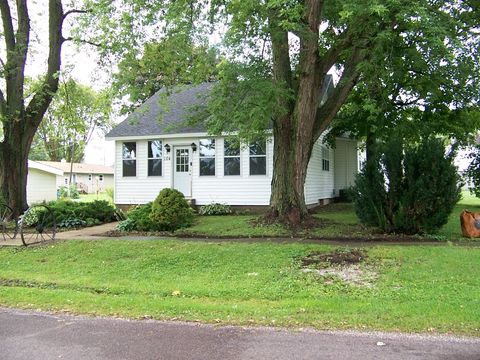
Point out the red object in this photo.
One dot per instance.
(470, 222)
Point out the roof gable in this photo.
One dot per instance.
(79, 168)
(165, 113)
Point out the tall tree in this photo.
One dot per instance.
(75, 114)
(20, 116)
(280, 53)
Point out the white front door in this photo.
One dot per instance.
(182, 174)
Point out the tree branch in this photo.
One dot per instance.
(329, 109)
(74, 11)
(8, 31)
(43, 97)
(81, 41)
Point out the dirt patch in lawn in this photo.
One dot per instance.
(346, 265)
(336, 257)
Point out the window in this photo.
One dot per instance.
(66, 181)
(182, 159)
(129, 159)
(89, 177)
(207, 157)
(100, 177)
(325, 159)
(231, 162)
(258, 158)
(155, 158)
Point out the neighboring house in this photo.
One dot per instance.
(154, 150)
(42, 182)
(89, 178)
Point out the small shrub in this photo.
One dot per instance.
(70, 191)
(170, 211)
(127, 225)
(110, 192)
(215, 209)
(140, 217)
(71, 223)
(32, 217)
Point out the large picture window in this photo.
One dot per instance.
(207, 157)
(231, 162)
(325, 159)
(155, 158)
(258, 158)
(129, 159)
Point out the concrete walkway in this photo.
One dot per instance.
(36, 335)
(93, 233)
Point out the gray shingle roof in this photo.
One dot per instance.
(164, 113)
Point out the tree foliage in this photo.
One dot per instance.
(171, 61)
(76, 113)
(472, 173)
(278, 53)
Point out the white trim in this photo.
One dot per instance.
(172, 136)
(162, 136)
(49, 169)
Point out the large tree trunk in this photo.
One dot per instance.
(287, 200)
(20, 121)
(305, 118)
(14, 164)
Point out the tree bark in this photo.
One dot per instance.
(296, 132)
(20, 122)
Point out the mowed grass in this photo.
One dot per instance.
(337, 220)
(419, 288)
(93, 197)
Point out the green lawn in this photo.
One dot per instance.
(339, 220)
(419, 288)
(93, 197)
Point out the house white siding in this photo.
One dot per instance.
(92, 183)
(346, 163)
(234, 190)
(41, 186)
(243, 189)
(319, 182)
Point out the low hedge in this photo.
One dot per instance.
(92, 213)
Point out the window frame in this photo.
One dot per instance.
(239, 156)
(325, 159)
(154, 158)
(200, 157)
(250, 156)
(134, 159)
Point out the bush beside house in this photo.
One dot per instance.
(77, 214)
(410, 189)
(168, 212)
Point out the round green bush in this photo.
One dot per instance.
(170, 211)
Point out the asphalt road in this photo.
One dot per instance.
(38, 336)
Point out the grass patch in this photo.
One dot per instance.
(338, 221)
(93, 197)
(419, 288)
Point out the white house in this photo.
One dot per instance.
(154, 150)
(42, 182)
(89, 178)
